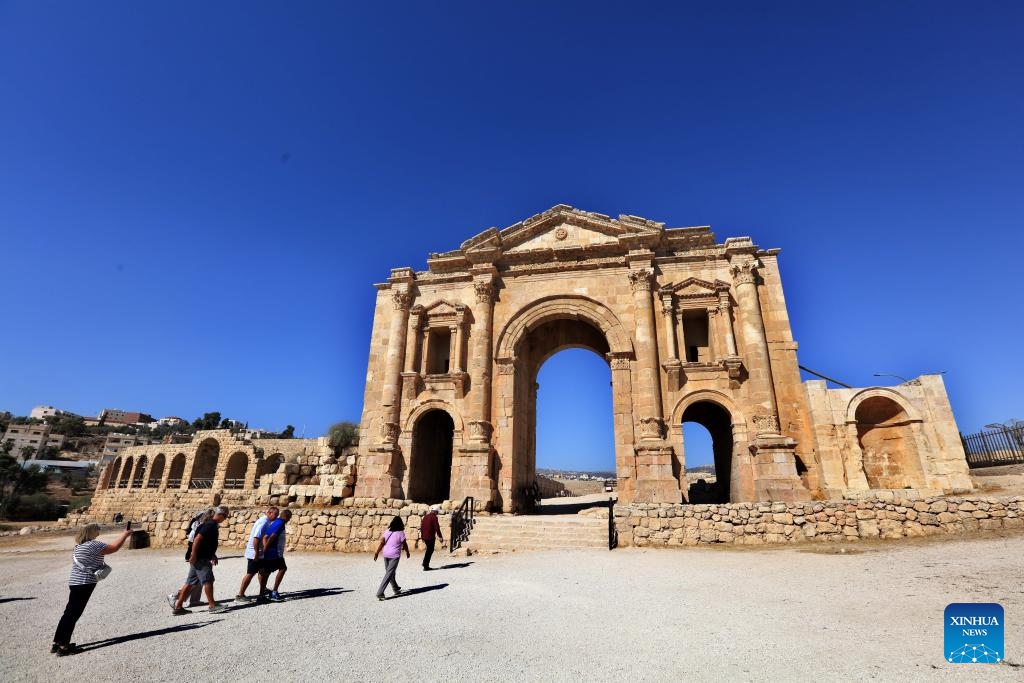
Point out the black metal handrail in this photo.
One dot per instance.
(462, 524)
(998, 447)
(613, 535)
(234, 483)
(200, 484)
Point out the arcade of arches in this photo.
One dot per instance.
(693, 330)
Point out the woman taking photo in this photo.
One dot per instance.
(86, 558)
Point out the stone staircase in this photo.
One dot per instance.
(524, 533)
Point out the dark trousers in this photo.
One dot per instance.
(77, 601)
(429, 543)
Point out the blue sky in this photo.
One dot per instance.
(196, 197)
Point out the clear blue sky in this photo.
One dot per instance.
(196, 197)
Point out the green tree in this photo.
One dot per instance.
(27, 452)
(343, 434)
(16, 481)
(288, 433)
(68, 425)
(6, 447)
(207, 421)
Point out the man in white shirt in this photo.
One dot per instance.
(254, 555)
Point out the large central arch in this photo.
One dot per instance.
(534, 334)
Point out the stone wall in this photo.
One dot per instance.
(355, 527)
(888, 516)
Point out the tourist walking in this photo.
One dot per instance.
(254, 556)
(273, 554)
(430, 531)
(392, 543)
(195, 598)
(201, 562)
(86, 559)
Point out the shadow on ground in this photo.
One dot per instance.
(118, 640)
(3, 600)
(289, 597)
(417, 591)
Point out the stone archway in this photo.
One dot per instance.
(156, 471)
(176, 472)
(139, 478)
(126, 472)
(234, 475)
(204, 467)
(111, 473)
(536, 333)
(718, 422)
(430, 463)
(889, 451)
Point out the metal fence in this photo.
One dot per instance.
(994, 447)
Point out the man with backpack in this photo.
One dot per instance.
(201, 561)
(195, 598)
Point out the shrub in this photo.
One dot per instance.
(36, 506)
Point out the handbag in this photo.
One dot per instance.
(100, 574)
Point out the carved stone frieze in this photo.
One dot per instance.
(618, 361)
(479, 431)
(389, 432)
(744, 272)
(506, 366)
(765, 424)
(484, 292)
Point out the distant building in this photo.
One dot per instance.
(112, 416)
(115, 443)
(43, 412)
(171, 421)
(36, 435)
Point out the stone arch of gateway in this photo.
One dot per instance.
(692, 330)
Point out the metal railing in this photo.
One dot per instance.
(137, 484)
(613, 535)
(234, 483)
(174, 483)
(996, 447)
(462, 524)
(200, 484)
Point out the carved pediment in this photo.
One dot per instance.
(560, 232)
(443, 312)
(695, 288)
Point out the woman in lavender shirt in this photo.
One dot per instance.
(392, 543)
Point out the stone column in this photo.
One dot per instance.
(730, 335)
(392, 390)
(474, 460)
(755, 344)
(454, 348)
(411, 338)
(649, 401)
(668, 313)
(681, 332)
(714, 334)
(775, 477)
(425, 353)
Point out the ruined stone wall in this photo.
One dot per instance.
(888, 517)
(355, 527)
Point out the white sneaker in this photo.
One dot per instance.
(172, 600)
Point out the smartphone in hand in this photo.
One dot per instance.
(128, 527)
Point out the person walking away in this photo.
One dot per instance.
(273, 553)
(254, 555)
(86, 558)
(430, 530)
(392, 543)
(201, 562)
(195, 598)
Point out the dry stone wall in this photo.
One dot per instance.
(887, 517)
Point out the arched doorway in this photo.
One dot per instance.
(140, 473)
(126, 472)
(536, 347)
(890, 456)
(110, 475)
(234, 476)
(268, 466)
(156, 471)
(205, 465)
(718, 423)
(430, 468)
(176, 472)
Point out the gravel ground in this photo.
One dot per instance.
(873, 612)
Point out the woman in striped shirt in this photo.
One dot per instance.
(86, 558)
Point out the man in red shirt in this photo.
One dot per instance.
(430, 530)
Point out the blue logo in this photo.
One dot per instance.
(974, 633)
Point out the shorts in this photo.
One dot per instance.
(253, 567)
(273, 565)
(200, 573)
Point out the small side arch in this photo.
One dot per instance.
(434, 404)
(880, 392)
(713, 396)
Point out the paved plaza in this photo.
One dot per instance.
(795, 613)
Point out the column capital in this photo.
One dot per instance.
(744, 272)
(485, 291)
(618, 360)
(640, 279)
(401, 298)
(668, 307)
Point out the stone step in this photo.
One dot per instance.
(523, 533)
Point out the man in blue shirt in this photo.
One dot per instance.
(273, 552)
